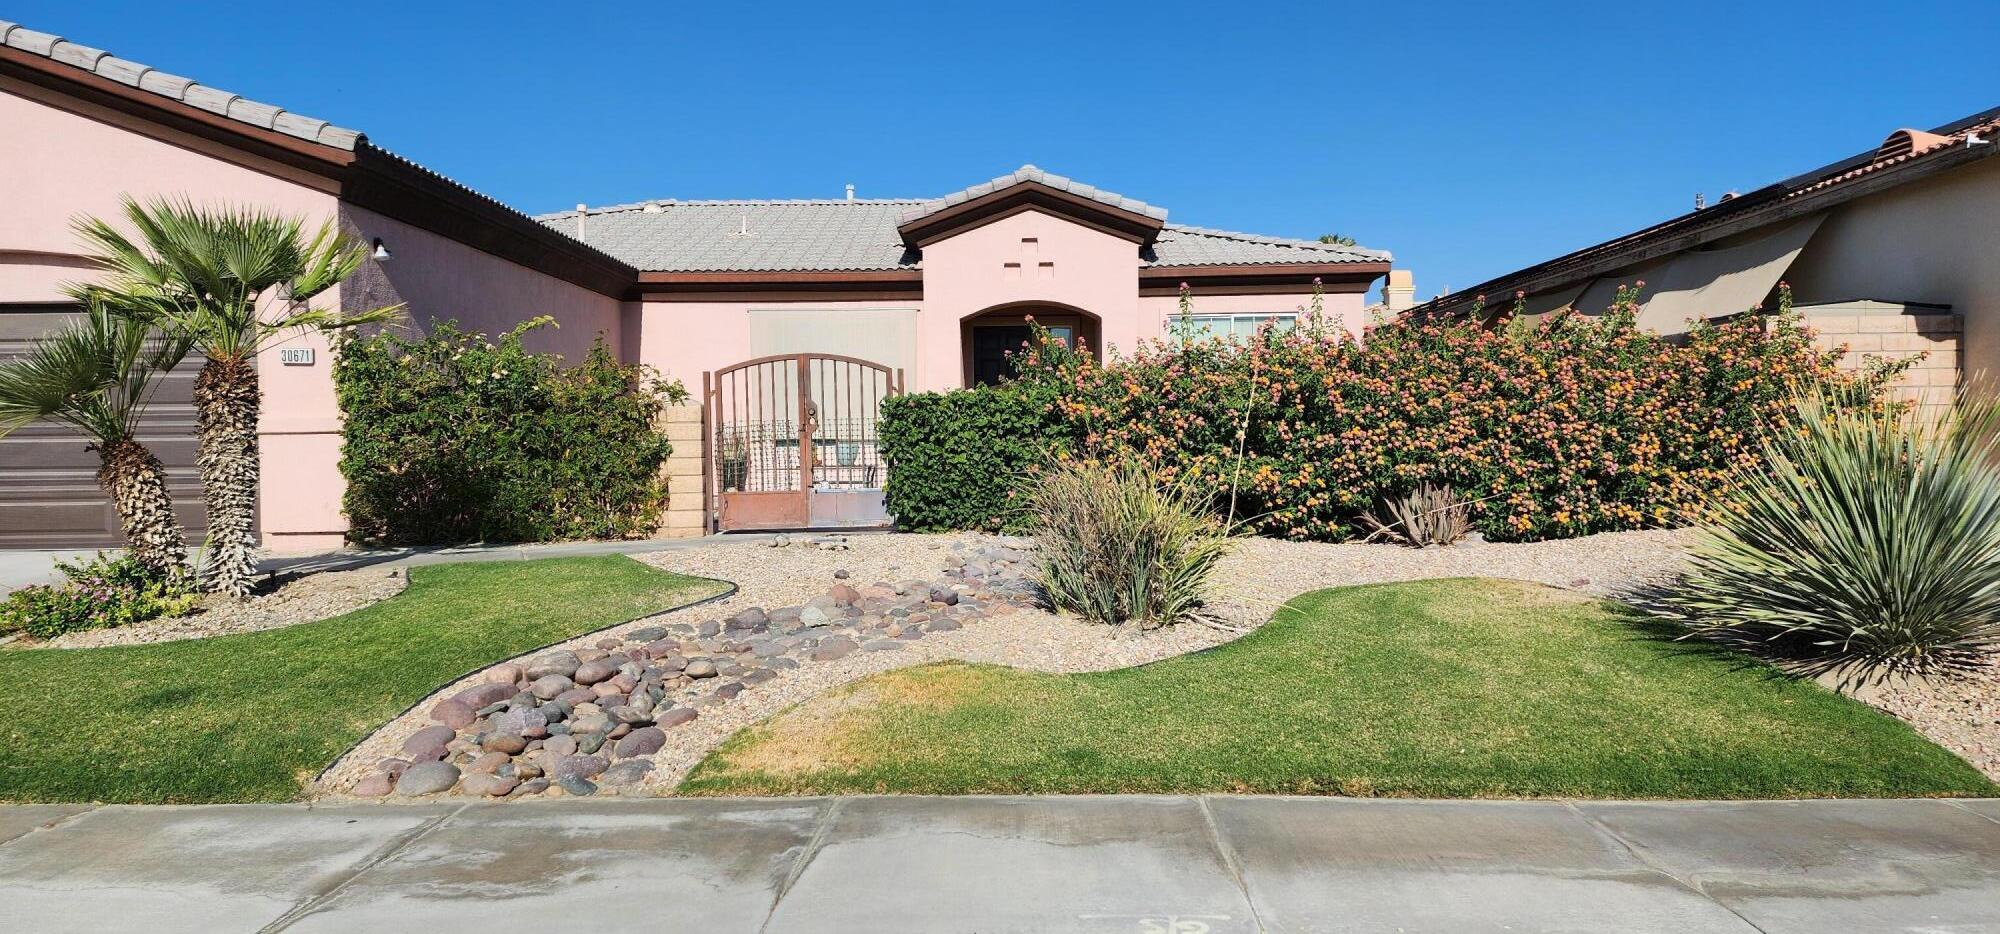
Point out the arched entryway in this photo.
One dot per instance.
(989, 337)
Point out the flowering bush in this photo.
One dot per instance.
(455, 438)
(1573, 425)
(102, 592)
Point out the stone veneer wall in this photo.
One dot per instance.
(1893, 331)
(686, 472)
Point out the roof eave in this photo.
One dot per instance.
(1762, 207)
(1026, 196)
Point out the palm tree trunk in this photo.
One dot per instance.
(137, 483)
(226, 399)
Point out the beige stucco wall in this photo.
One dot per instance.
(1935, 241)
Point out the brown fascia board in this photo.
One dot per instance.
(387, 184)
(859, 285)
(1025, 196)
(68, 80)
(366, 177)
(1762, 207)
(1288, 278)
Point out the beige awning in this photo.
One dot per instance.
(1709, 284)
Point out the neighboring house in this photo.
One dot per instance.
(929, 293)
(1891, 252)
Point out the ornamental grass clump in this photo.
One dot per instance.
(1118, 546)
(1868, 547)
(1428, 515)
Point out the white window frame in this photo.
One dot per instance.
(1204, 325)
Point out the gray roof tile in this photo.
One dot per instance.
(829, 235)
(1029, 173)
(82, 56)
(231, 105)
(121, 70)
(165, 84)
(28, 40)
(253, 112)
(208, 98)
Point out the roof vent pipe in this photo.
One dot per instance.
(580, 209)
(850, 192)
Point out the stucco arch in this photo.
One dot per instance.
(1009, 317)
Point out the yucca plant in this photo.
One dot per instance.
(230, 281)
(1869, 546)
(96, 375)
(1117, 546)
(1430, 514)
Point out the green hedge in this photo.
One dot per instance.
(455, 438)
(1567, 427)
(956, 458)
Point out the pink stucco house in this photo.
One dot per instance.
(929, 292)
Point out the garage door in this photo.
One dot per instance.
(49, 497)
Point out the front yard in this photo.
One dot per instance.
(253, 717)
(1450, 688)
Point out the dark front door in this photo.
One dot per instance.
(991, 345)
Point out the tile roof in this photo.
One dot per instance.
(174, 87)
(827, 235)
(1029, 173)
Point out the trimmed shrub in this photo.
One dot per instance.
(455, 438)
(1567, 427)
(957, 460)
(1869, 545)
(100, 593)
(1115, 545)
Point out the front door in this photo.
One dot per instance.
(794, 444)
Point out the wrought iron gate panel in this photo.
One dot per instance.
(793, 442)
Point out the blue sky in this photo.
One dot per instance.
(1468, 138)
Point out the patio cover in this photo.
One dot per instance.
(1708, 284)
(1705, 284)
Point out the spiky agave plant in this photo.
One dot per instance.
(96, 375)
(231, 281)
(1116, 545)
(1869, 546)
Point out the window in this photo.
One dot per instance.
(1231, 326)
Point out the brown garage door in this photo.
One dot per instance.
(49, 497)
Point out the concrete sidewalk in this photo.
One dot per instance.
(1180, 865)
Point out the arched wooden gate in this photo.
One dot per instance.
(792, 442)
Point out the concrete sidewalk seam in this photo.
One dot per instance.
(1592, 822)
(399, 844)
(51, 825)
(1980, 814)
(1229, 860)
(805, 858)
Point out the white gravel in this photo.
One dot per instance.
(303, 600)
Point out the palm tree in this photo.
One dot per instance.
(96, 375)
(230, 281)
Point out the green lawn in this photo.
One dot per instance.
(1458, 688)
(251, 717)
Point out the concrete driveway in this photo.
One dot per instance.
(1146, 865)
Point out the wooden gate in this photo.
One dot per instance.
(792, 442)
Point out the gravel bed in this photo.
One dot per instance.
(1961, 714)
(301, 600)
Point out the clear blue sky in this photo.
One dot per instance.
(1468, 138)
